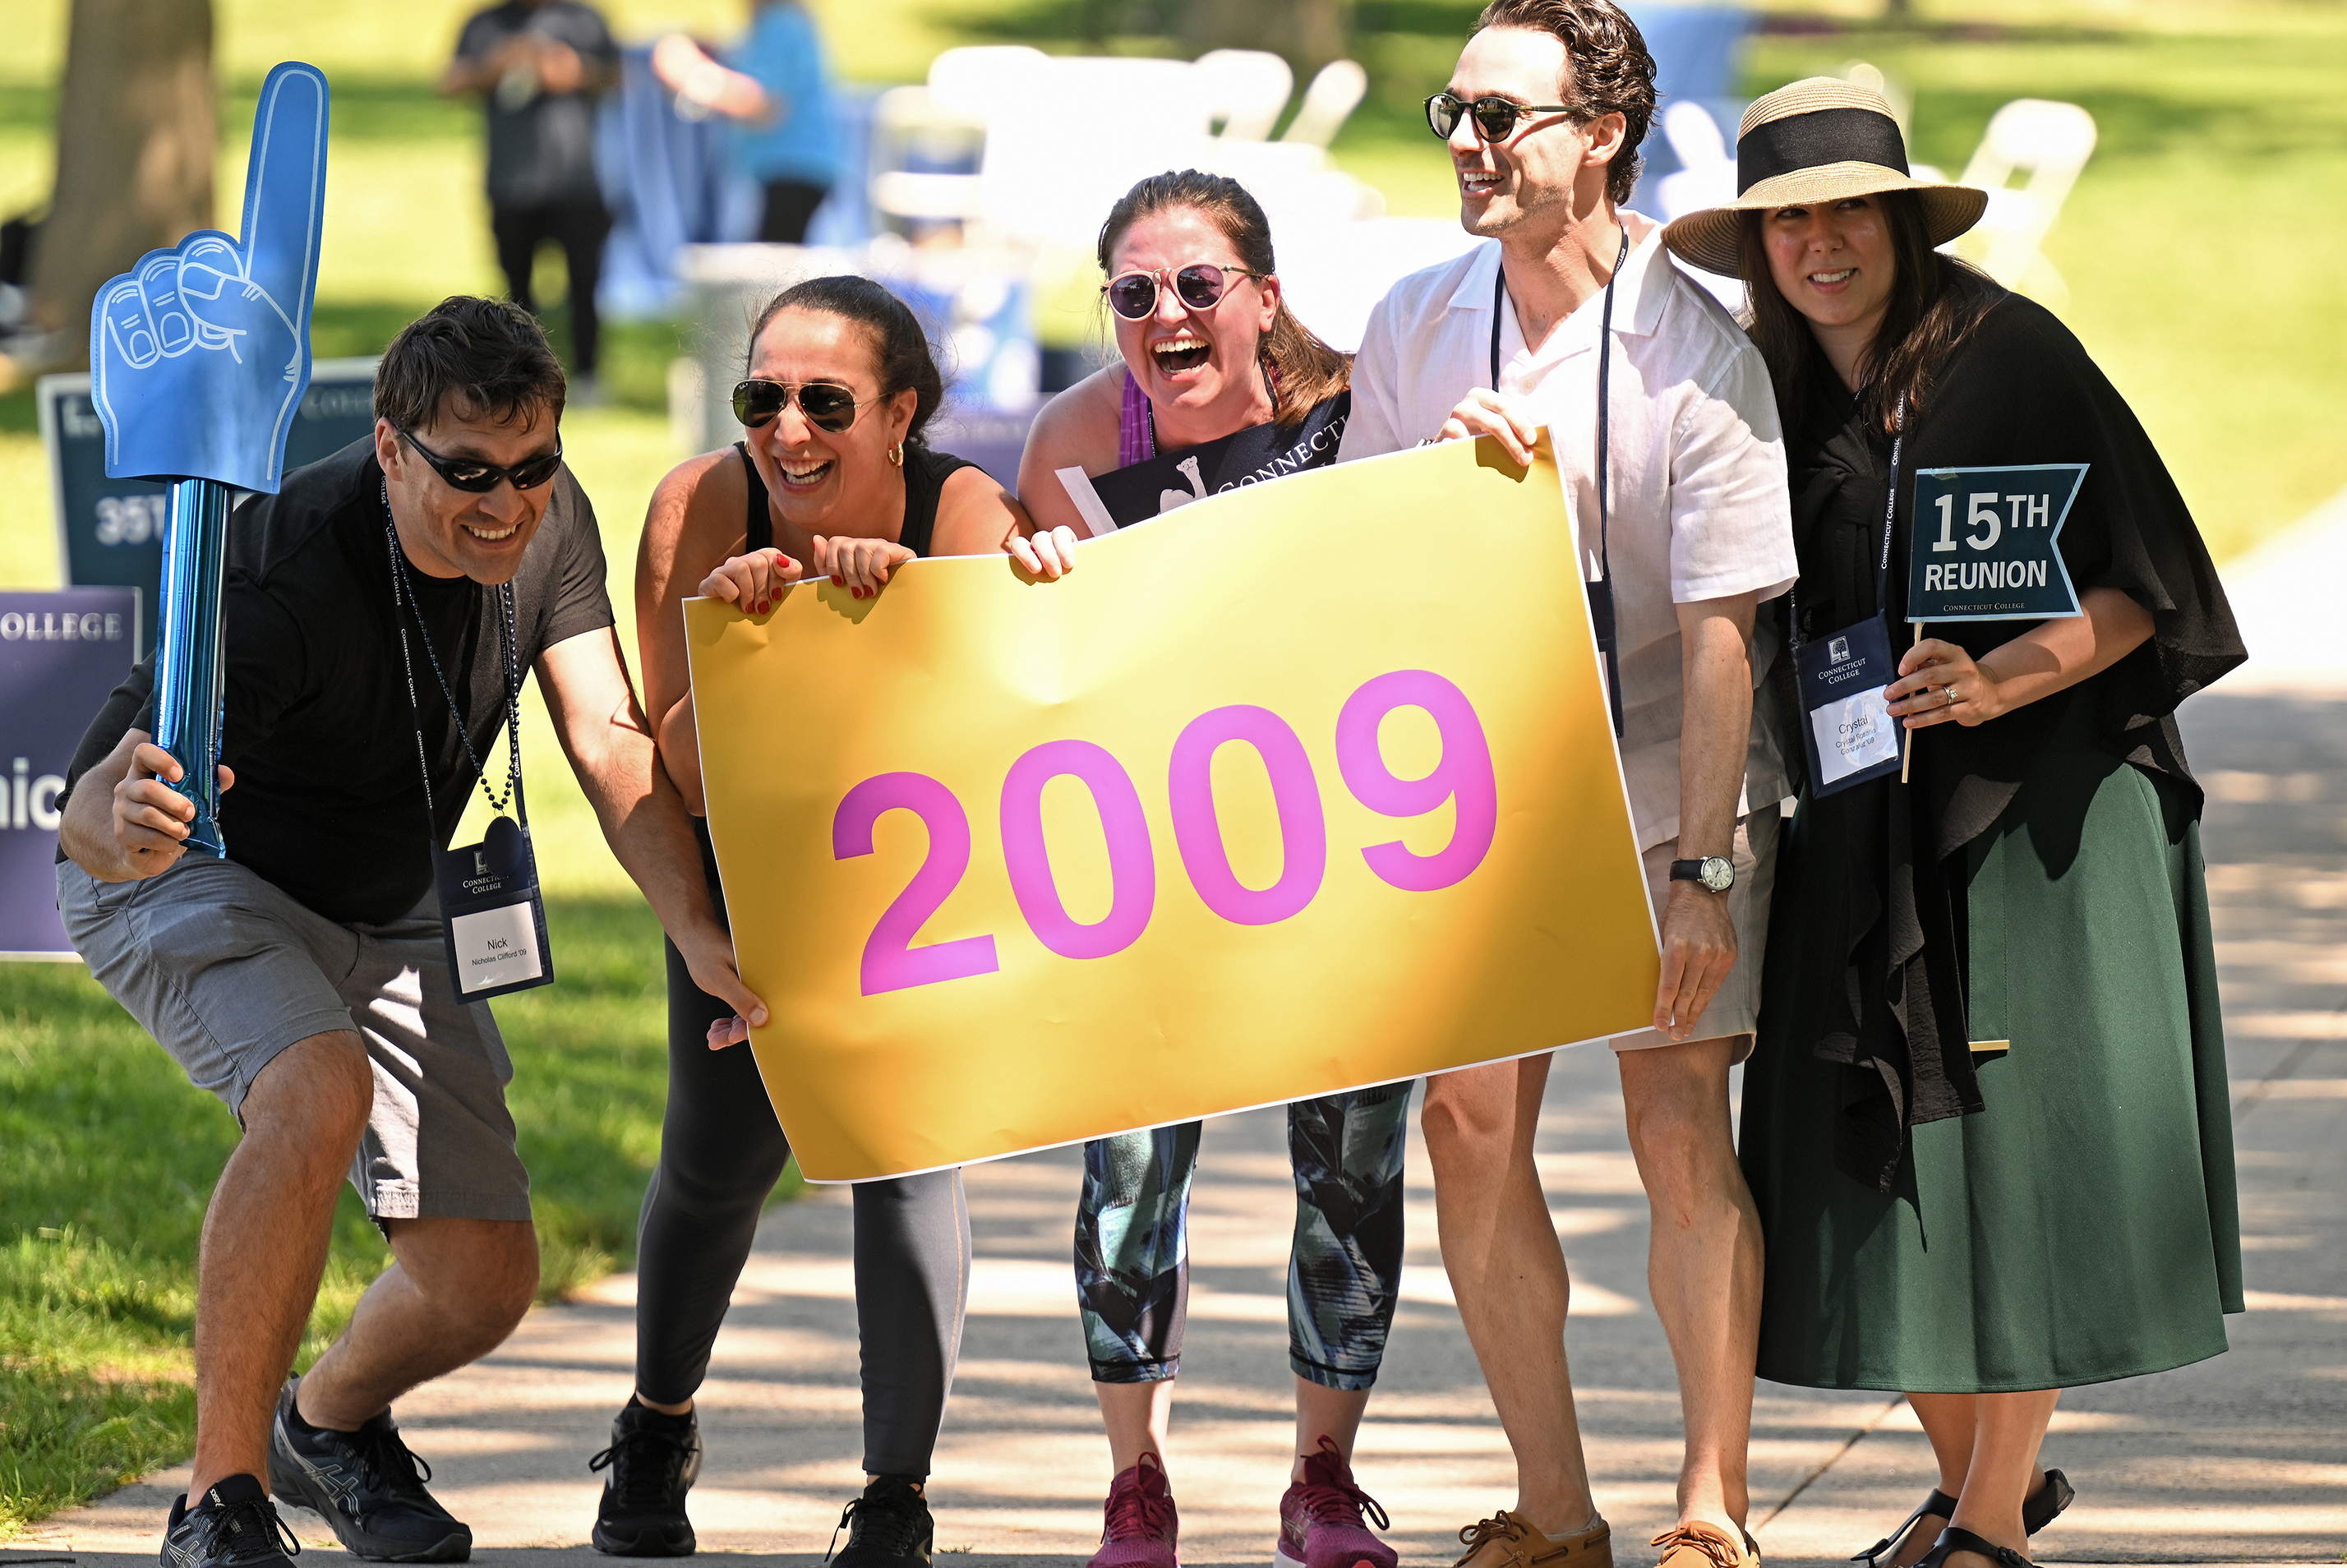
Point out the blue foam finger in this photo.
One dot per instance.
(199, 354)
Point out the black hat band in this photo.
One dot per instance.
(1815, 139)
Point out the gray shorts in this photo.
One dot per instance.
(225, 971)
(1735, 1008)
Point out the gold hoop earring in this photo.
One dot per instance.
(897, 453)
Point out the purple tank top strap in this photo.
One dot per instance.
(1136, 433)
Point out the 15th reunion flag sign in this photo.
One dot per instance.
(1309, 788)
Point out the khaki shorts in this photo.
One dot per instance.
(225, 971)
(1735, 1008)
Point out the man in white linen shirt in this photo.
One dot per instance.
(1550, 100)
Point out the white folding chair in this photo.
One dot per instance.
(1328, 103)
(1245, 90)
(2051, 143)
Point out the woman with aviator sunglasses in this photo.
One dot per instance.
(1211, 352)
(833, 476)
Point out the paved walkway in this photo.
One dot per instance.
(2241, 1458)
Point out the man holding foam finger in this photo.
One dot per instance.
(379, 611)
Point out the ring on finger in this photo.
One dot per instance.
(1949, 693)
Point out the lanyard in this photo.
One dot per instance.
(402, 599)
(1889, 513)
(1601, 592)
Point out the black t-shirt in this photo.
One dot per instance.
(541, 144)
(328, 803)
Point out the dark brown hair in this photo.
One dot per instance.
(1607, 70)
(1936, 302)
(490, 355)
(1305, 371)
(900, 348)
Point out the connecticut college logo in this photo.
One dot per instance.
(1837, 649)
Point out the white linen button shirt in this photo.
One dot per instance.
(1697, 488)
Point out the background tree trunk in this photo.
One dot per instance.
(136, 133)
(1308, 33)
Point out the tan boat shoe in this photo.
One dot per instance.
(1700, 1543)
(1508, 1540)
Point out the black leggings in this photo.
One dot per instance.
(722, 1150)
(580, 227)
(790, 207)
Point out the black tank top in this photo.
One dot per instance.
(926, 473)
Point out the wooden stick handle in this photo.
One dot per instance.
(1906, 755)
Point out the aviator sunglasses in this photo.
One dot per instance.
(472, 474)
(1200, 285)
(827, 406)
(1495, 118)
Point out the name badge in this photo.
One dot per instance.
(492, 915)
(1845, 722)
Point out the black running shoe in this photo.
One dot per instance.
(887, 1527)
(235, 1526)
(653, 1461)
(366, 1485)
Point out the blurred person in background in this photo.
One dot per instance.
(776, 88)
(538, 65)
(833, 476)
(1987, 1125)
(1213, 361)
(1572, 317)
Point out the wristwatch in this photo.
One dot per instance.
(1716, 872)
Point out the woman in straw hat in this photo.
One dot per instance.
(1986, 1122)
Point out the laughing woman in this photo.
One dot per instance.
(833, 477)
(1211, 354)
(1986, 1123)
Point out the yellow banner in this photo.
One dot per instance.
(1307, 786)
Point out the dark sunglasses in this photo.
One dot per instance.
(1495, 118)
(827, 406)
(470, 474)
(1200, 285)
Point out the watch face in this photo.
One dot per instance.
(1718, 874)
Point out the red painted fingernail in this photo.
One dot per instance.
(837, 580)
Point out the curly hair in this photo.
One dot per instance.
(1607, 70)
(1305, 371)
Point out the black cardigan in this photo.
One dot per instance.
(2021, 390)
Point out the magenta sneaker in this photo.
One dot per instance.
(1320, 1519)
(1139, 1521)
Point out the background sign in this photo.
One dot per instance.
(110, 531)
(1984, 543)
(1236, 814)
(60, 654)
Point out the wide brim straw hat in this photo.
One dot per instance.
(1818, 139)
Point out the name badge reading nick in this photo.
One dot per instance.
(492, 914)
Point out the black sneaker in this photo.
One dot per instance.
(887, 1527)
(235, 1525)
(653, 1461)
(366, 1485)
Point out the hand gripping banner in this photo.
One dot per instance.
(1308, 787)
(198, 355)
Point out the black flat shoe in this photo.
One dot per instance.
(2043, 1506)
(2038, 1510)
(1939, 1504)
(1952, 1540)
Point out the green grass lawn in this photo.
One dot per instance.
(2201, 252)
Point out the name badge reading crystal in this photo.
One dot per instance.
(492, 914)
(1851, 735)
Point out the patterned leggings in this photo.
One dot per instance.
(1344, 1269)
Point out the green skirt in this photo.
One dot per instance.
(2083, 1227)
